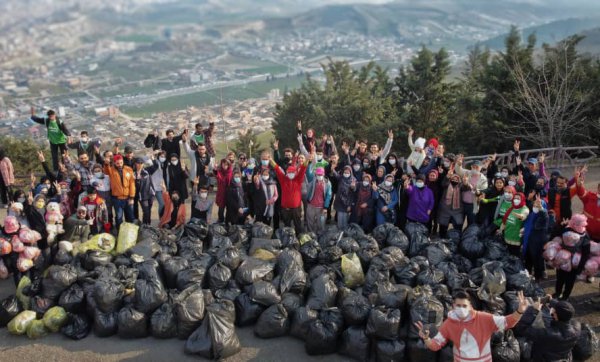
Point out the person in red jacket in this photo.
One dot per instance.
(291, 194)
(591, 209)
(224, 174)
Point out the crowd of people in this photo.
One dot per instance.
(308, 186)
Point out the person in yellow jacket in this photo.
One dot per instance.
(122, 184)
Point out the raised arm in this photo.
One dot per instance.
(388, 145)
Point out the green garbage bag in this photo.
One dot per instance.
(23, 283)
(36, 329)
(127, 238)
(102, 242)
(352, 270)
(55, 318)
(18, 325)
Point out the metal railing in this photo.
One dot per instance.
(556, 157)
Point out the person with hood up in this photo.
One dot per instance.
(420, 201)
(365, 204)
(174, 214)
(264, 194)
(237, 204)
(478, 183)
(224, 175)
(432, 146)
(7, 178)
(591, 209)
(417, 148)
(357, 169)
(451, 207)
(344, 198)
(175, 175)
(386, 200)
(201, 204)
(35, 210)
(101, 183)
(318, 198)
(535, 236)
(291, 194)
(379, 176)
(575, 240)
(512, 224)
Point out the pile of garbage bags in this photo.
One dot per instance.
(341, 292)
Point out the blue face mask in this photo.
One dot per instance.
(237, 180)
(264, 162)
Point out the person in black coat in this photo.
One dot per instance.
(554, 341)
(236, 201)
(170, 144)
(175, 176)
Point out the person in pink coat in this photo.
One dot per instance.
(224, 174)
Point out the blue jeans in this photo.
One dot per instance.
(161, 202)
(120, 206)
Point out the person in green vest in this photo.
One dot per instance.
(58, 134)
(504, 203)
(512, 224)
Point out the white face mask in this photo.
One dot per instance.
(98, 174)
(320, 178)
(388, 183)
(162, 159)
(203, 195)
(291, 176)
(356, 167)
(508, 196)
(175, 162)
(366, 164)
(461, 312)
(346, 175)
(511, 183)
(84, 139)
(366, 183)
(517, 202)
(319, 157)
(447, 164)
(535, 209)
(392, 161)
(265, 177)
(420, 184)
(504, 174)
(328, 142)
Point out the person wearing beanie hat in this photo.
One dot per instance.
(417, 154)
(559, 335)
(122, 185)
(386, 200)
(77, 226)
(344, 198)
(318, 198)
(512, 223)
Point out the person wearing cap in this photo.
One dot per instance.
(203, 136)
(591, 209)
(318, 198)
(386, 200)
(128, 156)
(291, 194)
(58, 134)
(170, 144)
(420, 200)
(554, 341)
(451, 207)
(77, 227)
(122, 184)
(512, 224)
(417, 148)
(477, 183)
(144, 192)
(224, 175)
(97, 211)
(575, 240)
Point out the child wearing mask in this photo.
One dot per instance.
(96, 211)
(201, 204)
(420, 201)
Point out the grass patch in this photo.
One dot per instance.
(264, 138)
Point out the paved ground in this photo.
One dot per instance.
(58, 348)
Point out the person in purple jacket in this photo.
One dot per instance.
(420, 200)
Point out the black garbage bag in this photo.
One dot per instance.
(375, 277)
(414, 228)
(476, 275)
(463, 264)
(127, 276)
(147, 232)
(442, 293)
(291, 302)
(394, 297)
(62, 257)
(512, 265)
(273, 322)
(272, 245)
(252, 270)
(436, 253)
(246, 310)
(261, 231)
(288, 238)
(454, 235)
(58, 278)
(405, 272)
(230, 292)
(264, 293)
(383, 323)
(348, 245)
(493, 282)
(93, 258)
(390, 350)
(355, 344)
(149, 270)
(418, 243)
(190, 277)
(355, 309)
(471, 247)
(218, 276)
(494, 250)
(455, 280)
(394, 254)
(145, 249)
(418, 352)
(368, 250)
(288, 258)
(105, 324)
(526, 348)
(310, 253)
(189, 309)
(397, 238)
(77, 327)
(380, 233)
(196, 228)
(189, 250)
(520, 281)
(587, 344)
(430, 276)
(149, 295)
(324, 332)
(163, 322)
(426, 309)
(330, 255)
(73, 299)
(171, 267)
(132, 323)
(354, 231)
(230, 257)
(9, 308)
(301, 319)
(322, 292)
(507, 350)
(108, 294)
(215, 338)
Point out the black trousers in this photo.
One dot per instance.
(5, 195)
(534, 261)
(289, 215)
(514, 250)
(146, 210)
(54, 150)
(221, 214)
(565, 281)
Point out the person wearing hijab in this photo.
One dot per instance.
(344, 198)
(175, 177)
(386, 199)
(512, 223)
(451, 207)
(174, 214)
(237, 205)
(365, 204)
(379, 176)
(224, 174)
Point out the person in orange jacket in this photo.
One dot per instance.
(591, 209)
(174, 214)
(122, 184)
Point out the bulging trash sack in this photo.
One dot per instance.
(247, 311)
(36, 330)
(507, 350)
(264, 293)
(355, 308)
(587, 344)
(494, 280)
(252, 270)
(9, 308)
(273, 322)
(128, 234)
(218, 276)
(324, 332)
(301, 319)
(163, 323)
(215, 338)
(352, 270)
(322, 293)
(355, 344)
(132, 323)
(72, 299)
(390, 350)
(190, 277)
(108, 294)
(105, 324)
(77, 327)
(417, 351)
(149, 295)
(58, 278)
(383, 323)
(18, 325)
(428, 310)
(171, 267)
(261, 231)
(189, 309)
(55, 318)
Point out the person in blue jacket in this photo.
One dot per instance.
(387, 199)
